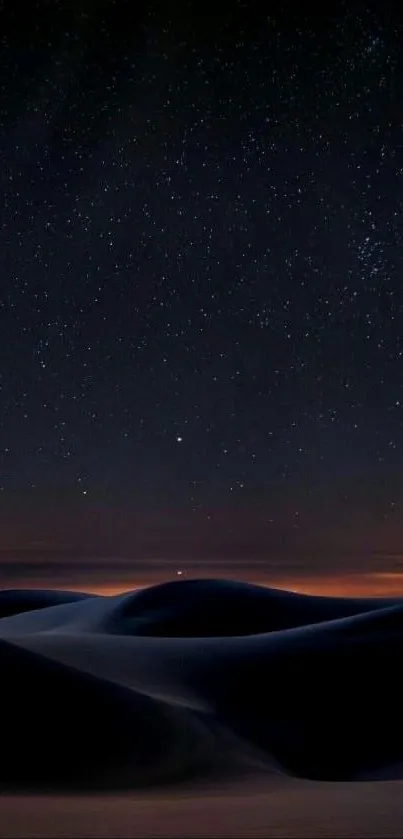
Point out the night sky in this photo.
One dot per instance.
(201, 299)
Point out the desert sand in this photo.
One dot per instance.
(200, 707)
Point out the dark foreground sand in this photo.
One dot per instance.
(291, 808)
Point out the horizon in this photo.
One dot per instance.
(347, 583)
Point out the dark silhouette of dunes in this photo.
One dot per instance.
(189, 676)
(16, 601)
(219, 608)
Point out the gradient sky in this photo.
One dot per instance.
(201, 297)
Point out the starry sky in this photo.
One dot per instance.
(201, 352)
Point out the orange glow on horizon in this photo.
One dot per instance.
(375, 584)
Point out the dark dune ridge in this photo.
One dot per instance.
(192, 677)
(219, 608)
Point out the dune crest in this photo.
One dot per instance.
(198, 677)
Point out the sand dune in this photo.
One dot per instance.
(17, 601)
(198, 679)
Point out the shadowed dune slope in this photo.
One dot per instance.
(68, 729)
(323, 701)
